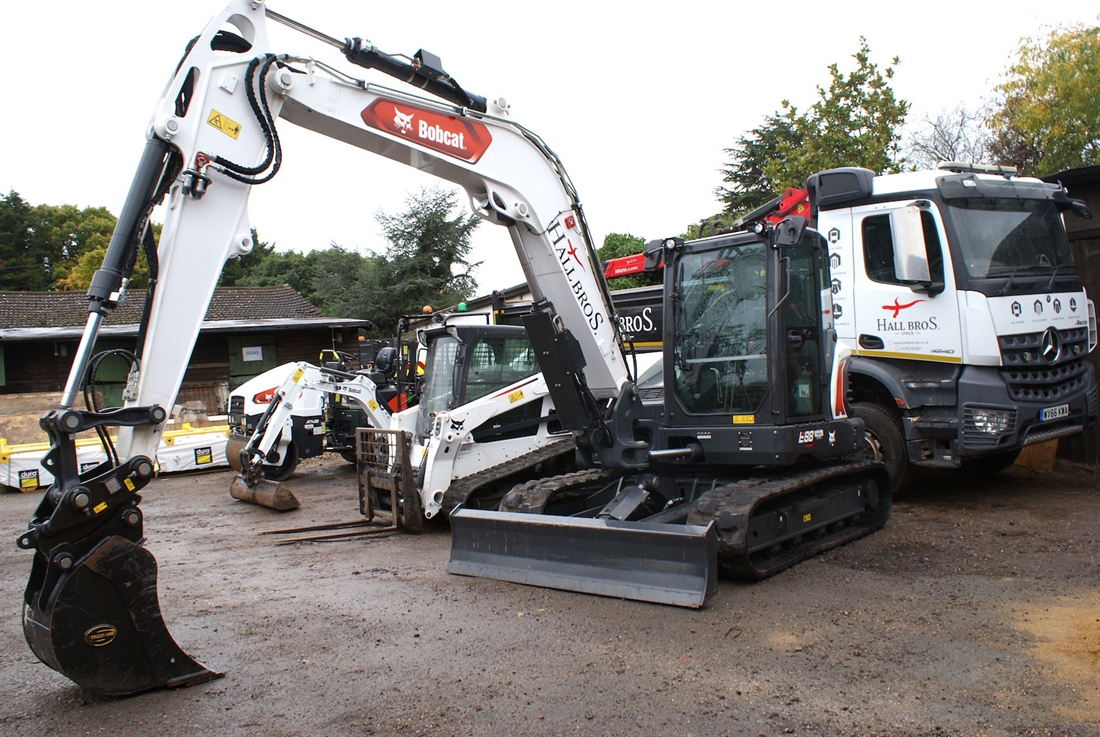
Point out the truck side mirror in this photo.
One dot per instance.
(910, 251)
(789, 231)
(1080, 209)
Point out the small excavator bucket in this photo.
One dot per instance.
(662, 563)
(266, 493)
(100, 623)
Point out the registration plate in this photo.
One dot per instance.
(1054, 413)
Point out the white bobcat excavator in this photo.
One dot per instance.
(499, 424)
(684, 463)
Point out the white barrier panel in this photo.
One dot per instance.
(188, 449)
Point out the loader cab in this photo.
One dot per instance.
(749, 325)
(467, 362)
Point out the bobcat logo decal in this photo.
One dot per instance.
(402, 121)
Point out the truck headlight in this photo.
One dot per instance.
(990, 421)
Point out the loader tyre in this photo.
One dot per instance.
(283, 471)
(886, 442)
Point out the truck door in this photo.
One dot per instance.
(901, 313)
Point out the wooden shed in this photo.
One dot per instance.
(247, 330)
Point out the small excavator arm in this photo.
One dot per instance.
(249, 484)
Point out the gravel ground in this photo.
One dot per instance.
(976, 611)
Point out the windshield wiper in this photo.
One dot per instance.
(1008, 284)
(1050, 281)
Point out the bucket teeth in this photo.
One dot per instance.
(265, 493)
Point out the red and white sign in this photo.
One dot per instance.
(460, 138)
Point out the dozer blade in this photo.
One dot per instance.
(266, 493)
(661, 563)
(102, 628)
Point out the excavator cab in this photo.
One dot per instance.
(748, 466)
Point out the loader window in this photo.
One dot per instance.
(721, 348)
(494, 363)
(439, 371)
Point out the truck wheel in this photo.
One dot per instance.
(886, 442)
(283, 470)
(989, 465)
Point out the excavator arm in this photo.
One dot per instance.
(249, 484)
(90, 606)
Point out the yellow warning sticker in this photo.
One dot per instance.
(806, 518)
(373, 405)
(515, 396)
(99, 507)
(129, 484)
(744, 419)
(226, 125)
(298, 375)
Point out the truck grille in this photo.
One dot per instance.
(1030, 377)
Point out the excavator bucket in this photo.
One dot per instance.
(662, 563)
(99, 623)
(266, 493)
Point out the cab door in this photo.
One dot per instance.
(901, 313)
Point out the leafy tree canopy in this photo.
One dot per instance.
(1048, 117)
(426, 262)
(855, 122)
(40, 245)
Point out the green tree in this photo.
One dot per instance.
(426, 262)
(289, 267)
(337, 283)
(748, 186)
(1048, 116)
(78, 274)
(41, 244)
(855, 122)
(617, 245)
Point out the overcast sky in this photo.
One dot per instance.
(638, 98)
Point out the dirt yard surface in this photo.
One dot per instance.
(976, 611)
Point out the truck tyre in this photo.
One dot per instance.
(283, 470)
(886, 442)
(989, 465)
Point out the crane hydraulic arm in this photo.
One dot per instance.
(91, 610)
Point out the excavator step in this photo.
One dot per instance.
(661, 563)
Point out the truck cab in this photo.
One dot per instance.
(969, 326)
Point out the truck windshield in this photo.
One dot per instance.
(721, 359)
(1007, 238)
(438, 389)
